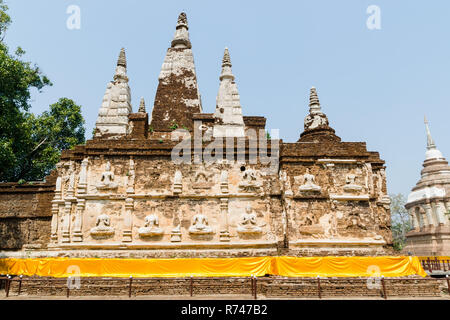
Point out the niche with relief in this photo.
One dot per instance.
(151, 229)
(103, 228)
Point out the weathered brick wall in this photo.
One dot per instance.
(267, 287)
(25, 213)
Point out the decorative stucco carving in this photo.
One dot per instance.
(151, 227)
(102, 227)
(250, 181)
(107, 179)
(248, 223)
(309, 183)
(200, 225)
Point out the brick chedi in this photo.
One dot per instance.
(128, 192)
(429, 206)
(177, 96)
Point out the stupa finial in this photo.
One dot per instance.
(121, 69)
(226, 61)
(226, 66)
(122, 61)
(314, 104)
(430, 141)
(142, 105)
(181, 38)
(182, 21)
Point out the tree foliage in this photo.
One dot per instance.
(399, 220)
(30, 145)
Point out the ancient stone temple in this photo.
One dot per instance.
(183, 183)
(429, 205)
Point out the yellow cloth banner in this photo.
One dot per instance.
(388, 266)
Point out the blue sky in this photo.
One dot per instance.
(374, 85)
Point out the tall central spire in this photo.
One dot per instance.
(177, 97)
(228, 115)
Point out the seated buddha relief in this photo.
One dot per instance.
(107, 179)
(102, 227)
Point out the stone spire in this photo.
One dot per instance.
(229, 121)
(316, 122)
(181, 38)
(112, 121)
(314, 104)
(432, 151)
(142, 105)
(430, 142)
(177, 97)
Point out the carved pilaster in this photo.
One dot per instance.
(77, 235)
(440, 212)
(65, 226)
(54, 225)
(413, 219)
(131, 177)
(55, 207)
(127, 235)
(224, 232)
(82, 180)
(428, 212)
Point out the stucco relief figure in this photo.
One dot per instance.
(350, 183)
(200, 225)
(309, 227)
(249, 181)
(70, 178)
(354, 222)
(202, 180)
(151, 227)
(102, 227)
(313, 121)
(286, 184)
(309, 183)
(248, 223)
(107, 179)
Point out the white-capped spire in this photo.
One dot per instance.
(112, 118)
(229, 121)
(432, 151)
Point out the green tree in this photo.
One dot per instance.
(30, 146)
(53, 131)
(400, 224)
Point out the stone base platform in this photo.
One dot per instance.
(267, 287)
